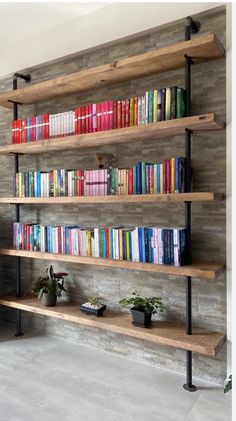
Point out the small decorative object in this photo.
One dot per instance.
(143, 308)
(93, 306)
(49, 287)
(228, 384)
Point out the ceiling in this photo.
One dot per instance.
(35, 33)
(20, 21)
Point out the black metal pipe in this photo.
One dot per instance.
(17, 211)
(189, 28)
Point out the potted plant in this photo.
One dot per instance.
(49, 287)
(142, 308)
(93, 306)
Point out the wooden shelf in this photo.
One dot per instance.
(132, 198)
(200, 49)
(161, 333)
(196, 270)
(204, 122)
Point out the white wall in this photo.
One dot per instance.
(111, 22)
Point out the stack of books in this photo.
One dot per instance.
(139, 244)
(142, 178)
(155, 105)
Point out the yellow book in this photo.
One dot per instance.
(168, 103)
(131, 112)
(127, 245)
(172, 175)
(155, 106)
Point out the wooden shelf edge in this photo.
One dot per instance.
(145, 132)
(134, 198)
(161, 333)
(196, 270)
(201, 49)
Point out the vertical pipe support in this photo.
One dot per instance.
(19, 332)
(190, 27)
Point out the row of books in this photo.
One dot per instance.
(155, 105)
(142, 178)
(139, 244)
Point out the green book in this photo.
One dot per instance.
(150, 106)
(180, 108)
(143, 178)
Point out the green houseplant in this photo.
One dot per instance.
(142, 308)
(93, 306)
(49, 287)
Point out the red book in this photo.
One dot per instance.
(33, 129)
(106, 115)
(151, 179)
(27, 237)
(13, 131)
(147, 179)
(119, 113)
(127, 119)
(90, 118)
(83, 119)
(110, 114)
(24, 131)
(165, 176)
(77, 120)
(130, 181)
(86, 118)
(94, 118)
(168, 176)
(46, 122)
(99, 117)
(18, 130)
(102, 116)
(107, 242)
(81, 182)
(114, 114)
(123, 113)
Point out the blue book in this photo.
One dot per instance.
(172, 261)
(151, 255)
(182, 234)
(158, 178)
(134, 180)
(146, 244)
(140, 244)
(138, 178)
(38, 184)
(177, 175)
(111, 243)
(165, 246)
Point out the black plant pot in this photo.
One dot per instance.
(96, 312)
(48, 299)
(141, 318)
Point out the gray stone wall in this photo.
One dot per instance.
(209, 220)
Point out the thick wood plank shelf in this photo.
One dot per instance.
(197, 270)
(162, 129)
(161, 333)
(133, 198)
(200, 49)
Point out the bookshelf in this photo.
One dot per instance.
(153, 131)
(200, 49)
(198, 270)
(132, 198)
(183, 54)
(162, 333)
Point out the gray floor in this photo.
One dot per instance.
(42, 378)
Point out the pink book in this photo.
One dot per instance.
(105, 182)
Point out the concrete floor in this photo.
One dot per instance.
(42, 378)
